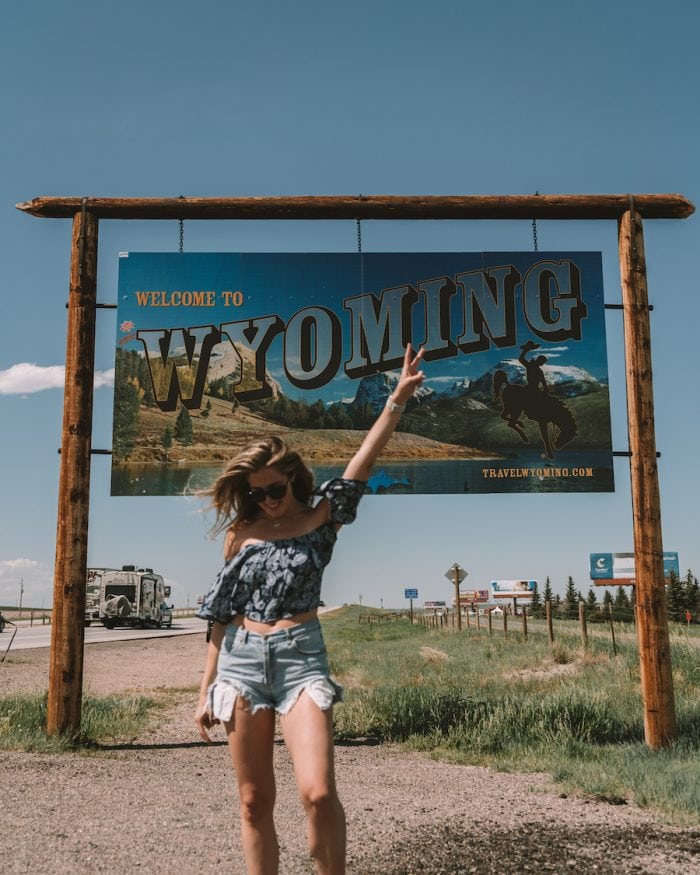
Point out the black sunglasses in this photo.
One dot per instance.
(275, 492)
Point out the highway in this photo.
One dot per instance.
(31, 637)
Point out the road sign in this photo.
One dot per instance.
(410, 593)
(450, 573)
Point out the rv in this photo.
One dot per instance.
(133, 597)
(92, 593)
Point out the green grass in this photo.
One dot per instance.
(519, 705)
(104, 718)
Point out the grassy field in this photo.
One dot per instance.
(520, 705)
(104, 718)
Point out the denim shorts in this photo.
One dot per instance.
(271, 671)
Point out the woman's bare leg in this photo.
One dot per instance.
(308, 734)
(250, 741)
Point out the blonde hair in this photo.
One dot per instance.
(228, 493)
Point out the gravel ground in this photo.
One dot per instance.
(165, 802)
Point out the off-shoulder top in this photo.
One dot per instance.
(271, 580)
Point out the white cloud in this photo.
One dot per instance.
(34, 577)
(26, 378)
(12, 566)
(104, 378)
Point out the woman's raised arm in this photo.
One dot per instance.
(377, 437)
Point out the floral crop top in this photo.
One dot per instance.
(270, 580)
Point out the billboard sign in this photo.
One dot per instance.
(617, 569)
(410, 593)
(435, 604)
(214, 350)
(512, 589)
(473, 595)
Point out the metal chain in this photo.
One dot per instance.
(534, 230)
(359, 249)
(181, 230)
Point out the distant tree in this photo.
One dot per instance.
(621, 598)
(206, 410)
(126, 417)
(675, 598)
(341, 418)
(691, 594)
(591, 600)
(547, 594)
(183, 427)
(570, 600)
(621, 605)
(536, 603)
(167, 441)
(316, 414)
(607, 598)
(144, 377)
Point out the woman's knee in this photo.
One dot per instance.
(319, 798)
(256, 804)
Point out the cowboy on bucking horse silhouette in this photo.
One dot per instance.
(536, 402)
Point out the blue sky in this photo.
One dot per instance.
(270, 98)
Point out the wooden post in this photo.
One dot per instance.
(524, 623)
(505, 623)
(548, 614)
(455, 568)
(490, 622)
(654, 648)
(478, 621)
(582, 622)
(468, 623)
(612, 629)
(67, 628)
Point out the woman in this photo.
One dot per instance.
(266, 652)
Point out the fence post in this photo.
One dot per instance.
(550, 628)
(612, 629)
(478, 621)
(505, 623)
(524, 623)
(582, 621)
(490, 622)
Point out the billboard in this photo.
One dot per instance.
(617, 569)
(473, 595)
(214, 350)
(512, 589)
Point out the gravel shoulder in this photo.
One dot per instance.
(165, 802)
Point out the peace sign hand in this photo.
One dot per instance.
(411, 378)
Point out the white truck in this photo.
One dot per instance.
(133, 596)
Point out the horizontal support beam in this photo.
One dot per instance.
(606, 306)
(94, 452)
(562, 206)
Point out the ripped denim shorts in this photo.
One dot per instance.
(271, 671)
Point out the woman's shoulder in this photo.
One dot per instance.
(236, 535)
(342, 495)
